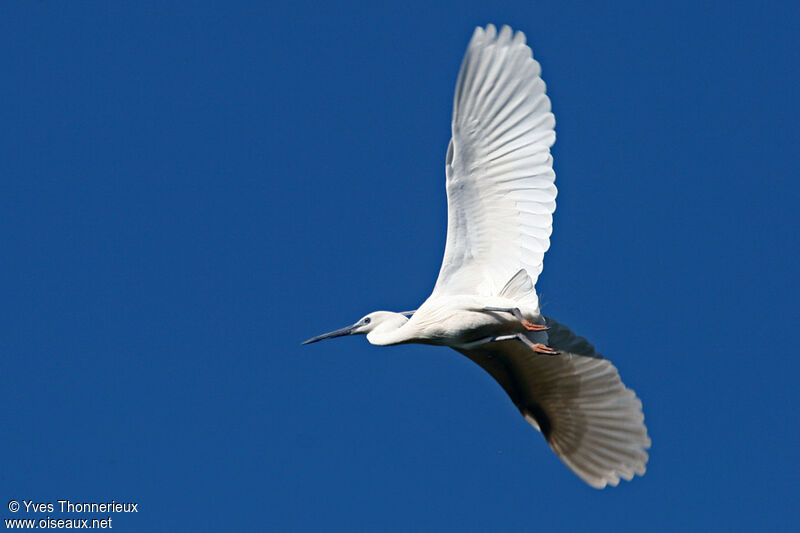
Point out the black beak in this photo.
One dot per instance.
(338, 333)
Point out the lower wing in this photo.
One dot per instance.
(577, 401)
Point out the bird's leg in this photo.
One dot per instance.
(535, 346)
(527, 324)
(480, 342)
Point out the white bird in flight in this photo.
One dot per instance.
(500, 202)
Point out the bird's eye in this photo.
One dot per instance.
(367, 320)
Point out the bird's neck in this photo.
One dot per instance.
(389, 331)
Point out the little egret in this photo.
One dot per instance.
(500, 202)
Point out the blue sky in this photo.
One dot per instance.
(186, 193)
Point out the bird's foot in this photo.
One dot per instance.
(543, 349)
(537, 347)
(527, 324)
(530, 326)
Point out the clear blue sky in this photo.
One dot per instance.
(186, 193)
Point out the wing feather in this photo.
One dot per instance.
(577, 400)
(500, 191)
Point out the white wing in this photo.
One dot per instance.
(500, 191)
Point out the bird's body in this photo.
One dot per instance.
(455, 321)
(500, 201)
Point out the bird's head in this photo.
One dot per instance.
(377, 321)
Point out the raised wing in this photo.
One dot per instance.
(500, 191)
(576, 400)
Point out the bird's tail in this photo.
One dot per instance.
(590, 419)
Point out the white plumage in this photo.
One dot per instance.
(500, 191)
(500, 201)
